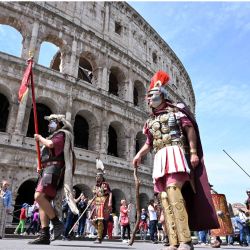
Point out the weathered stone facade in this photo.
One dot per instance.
(114, 39)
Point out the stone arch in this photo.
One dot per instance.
(85, 70)
(81, 132)
(49, 102)
(25, 194)
(14, 23)
(87, 66)
(117, 196)
(117, 85)
(57, 59)
(5, 90)
(143, 200)
(116, 140)
(51, 38)
(42, 110)
(92, 124)
(141, 92)
(4, 112)
(82, 188)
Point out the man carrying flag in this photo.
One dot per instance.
(57, 162)
(55, 167)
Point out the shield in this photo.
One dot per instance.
(220, 205)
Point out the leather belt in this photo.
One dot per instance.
(50, 163)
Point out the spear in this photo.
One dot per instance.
(236, 163)
(90, 202)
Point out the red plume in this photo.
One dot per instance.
(161, 76)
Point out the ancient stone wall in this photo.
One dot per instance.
(114, 39)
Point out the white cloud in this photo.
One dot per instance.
(230, 99)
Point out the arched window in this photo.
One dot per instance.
(113, 84)
(11, 39)
(139, 94)
(112, 146)
(4, 112)
(85, 70)
(42, 110)
(154, 57)
(143, 200)
(117, 196)
(82, 188)
(25, 195)
(81, 132)
(48, 54)
(136, 99)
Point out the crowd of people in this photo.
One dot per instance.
(150, 226)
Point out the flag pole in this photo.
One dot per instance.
(39, 166)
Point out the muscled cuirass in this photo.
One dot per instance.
(166, 130)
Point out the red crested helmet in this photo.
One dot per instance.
(159, 79)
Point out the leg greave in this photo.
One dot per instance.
(180, 213)
(169, 220)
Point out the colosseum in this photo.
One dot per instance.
(98, 78)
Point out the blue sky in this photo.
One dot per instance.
(212, 41)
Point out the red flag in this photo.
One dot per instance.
(25, 82)
(28, 80)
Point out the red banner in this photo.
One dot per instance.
(25, 82)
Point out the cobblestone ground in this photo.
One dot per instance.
(21, 244)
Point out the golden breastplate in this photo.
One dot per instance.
(165, 130)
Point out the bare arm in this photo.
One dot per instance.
(47, 143)
(143, 151)
(110, 200)
(192, 139)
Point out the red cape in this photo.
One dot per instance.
(200, 208)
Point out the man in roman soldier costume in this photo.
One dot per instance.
(179, 173)
(102, 203)
(57, 163)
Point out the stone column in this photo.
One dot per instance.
(34, 46)
(104, 134)
(25, 47)
(107, 17)
(105, 79)
(74, 61)
(98, 75)
(69, 106)
(22, 106)
(12, 117)
(130, 91)
(17, 137)
(65, 62)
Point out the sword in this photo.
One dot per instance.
(82, 214)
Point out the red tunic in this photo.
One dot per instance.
(58, 143)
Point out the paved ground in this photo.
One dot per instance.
(21, 244)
